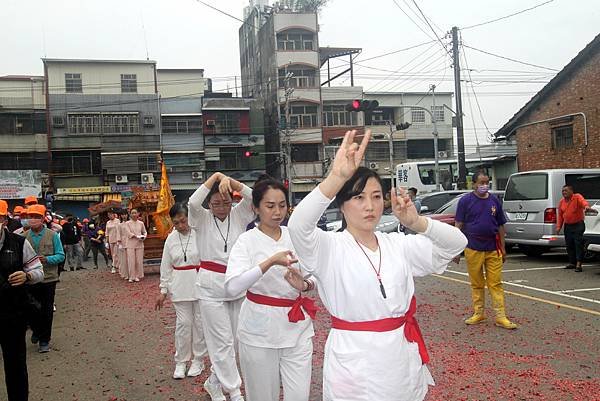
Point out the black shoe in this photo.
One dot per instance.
(578, 269)
(569, 266)
(34, 339)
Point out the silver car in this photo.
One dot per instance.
(531, 202)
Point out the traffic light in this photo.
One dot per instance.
(362, 105)
(403, 126)
(249, 153)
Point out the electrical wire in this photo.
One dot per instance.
(433, 30)
(507, 16)
(511, 59)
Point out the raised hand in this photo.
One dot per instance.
(404, 209)
(225, 188)
(349, 155)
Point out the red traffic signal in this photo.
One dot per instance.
(248, 153)
(362, 105)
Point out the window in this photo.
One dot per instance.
(438, 113)
(58, 121)
(527, 187)
(308, 152)
(147, 163)
(230, 159)
(295, 40)
(300, 78)
(381, 116)
(181, 124)
(562, 137)
(227, 123)
(128, 83)
(336, 115)
(107, 123)
(588, 185)
(75, 163)
(24, 161)
(417, 115)
(301, 116)
(73, 83)
(23, 123)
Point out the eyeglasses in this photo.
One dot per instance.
(223, 205)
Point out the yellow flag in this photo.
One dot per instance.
(162, 221)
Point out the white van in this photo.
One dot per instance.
(531, 202)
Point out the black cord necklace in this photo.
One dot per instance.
(377, 271)
(225, 239)
(187, 243)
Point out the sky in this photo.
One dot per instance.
(188, 34)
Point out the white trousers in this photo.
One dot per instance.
(266, 369)
(123, 269)
(114, 254)
(220, 320)
(189, 337)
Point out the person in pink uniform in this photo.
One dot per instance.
(218, 229)
(112, 237)
(136, 234)
(122, 246)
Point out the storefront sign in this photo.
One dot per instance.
(84, 190)
(19, 184)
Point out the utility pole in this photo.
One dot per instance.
(391, 145)
(436, 152)
(460, 135)
(287, 148)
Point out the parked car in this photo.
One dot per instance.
(387, 224)
(433, 201)
(447, 213)
(531, 202)
(591, 236)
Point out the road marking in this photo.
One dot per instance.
(581, 290)
(539, 268)
(547, 301)
(527, 287)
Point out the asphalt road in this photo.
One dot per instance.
(109, 344)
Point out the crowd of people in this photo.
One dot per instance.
(238, 274)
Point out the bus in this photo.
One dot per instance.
(421, 174)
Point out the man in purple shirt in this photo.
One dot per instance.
(480, 216)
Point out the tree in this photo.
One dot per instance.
(307, 5)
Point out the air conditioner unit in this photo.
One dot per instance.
(373, 165)
(442, 154)
(121, 179)
(148, 121)
(147, 178)
(58, 121)
(197, 175)
(210, 123)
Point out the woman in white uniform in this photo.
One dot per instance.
(375, 350)
(274, 333)
(178, 270)
(218, 227)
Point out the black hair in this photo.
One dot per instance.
(568, 186)
(354, 186)
(479, 173)
(213, 190)
(261, 187)
(178, 208)
(413, 190)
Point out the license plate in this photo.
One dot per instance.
(520, 216)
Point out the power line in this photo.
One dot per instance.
(433, 30)
(507, 16)
(397, 51)
(511, 59)
(412, 20)
(225, 13)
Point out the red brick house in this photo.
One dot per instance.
(560, 126)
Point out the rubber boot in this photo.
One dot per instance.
(498, 305)
(478, 307)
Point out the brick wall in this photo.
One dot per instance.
(580, 93)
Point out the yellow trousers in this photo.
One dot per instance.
(485, 267)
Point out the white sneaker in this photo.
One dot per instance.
(179, 371)
(137, 280)
(214, 390)
(238, 398)
(113, 270)
(196, 368)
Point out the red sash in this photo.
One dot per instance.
(295, 314)
(213, 267)
(411, 327)
(190, 267)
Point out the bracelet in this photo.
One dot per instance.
(309, 286)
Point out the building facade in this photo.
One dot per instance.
(560, 126)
